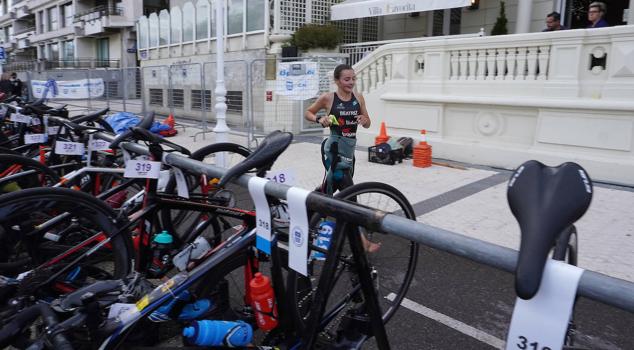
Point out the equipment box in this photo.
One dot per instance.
(384, 154)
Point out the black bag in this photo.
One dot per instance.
(384, 154)
(407, 143)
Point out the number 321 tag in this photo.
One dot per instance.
(142, 169)
(69, 148)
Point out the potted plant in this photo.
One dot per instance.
(312, 38)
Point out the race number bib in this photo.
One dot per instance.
(69, 148)
(142, 169)
(34, 138)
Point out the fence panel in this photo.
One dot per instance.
(73, 87)
(154, 81)
(282, 89)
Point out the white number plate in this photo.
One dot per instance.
(34, 138)
(286, 177)
(53, 130)
(143, 169)
(20, 118)
(69, 148)
(99, 145)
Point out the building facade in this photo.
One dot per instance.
(69, 33)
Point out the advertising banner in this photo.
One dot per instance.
(68, 89)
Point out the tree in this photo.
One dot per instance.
(500, 24)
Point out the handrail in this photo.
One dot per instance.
(101, 10)
(593, 285)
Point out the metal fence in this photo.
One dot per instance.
(262, 95)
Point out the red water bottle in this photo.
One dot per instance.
(263, 302)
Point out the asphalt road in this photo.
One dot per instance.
(483, 298)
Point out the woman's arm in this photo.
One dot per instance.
(311, 112)
(364, 118)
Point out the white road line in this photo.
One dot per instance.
(451, 323)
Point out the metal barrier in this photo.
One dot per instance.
(592, 285)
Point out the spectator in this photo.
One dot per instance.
(553, 22)
(17, 85)
(596, 13)
(5, 84)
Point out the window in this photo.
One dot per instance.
(40, 26)
(177, 98)
(3, 36)
(188, 26)
(197, 102)
(154, 27)
(68, 52)
(255, 15)
(53, 52)
(164, 28)
(156, 97)
(176, 24)
(143, 32)
(202, 19)
(234, 16)
(67, 15)
(51, 14)
(234, 101)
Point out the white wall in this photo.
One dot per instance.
(85, 48)
(404, 26)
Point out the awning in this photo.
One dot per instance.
(369, 8)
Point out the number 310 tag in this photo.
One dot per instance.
(142, 169)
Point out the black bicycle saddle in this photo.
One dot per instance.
(544, 200)
(90, 117)
(271, 147)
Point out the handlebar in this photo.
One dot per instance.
(23, 319)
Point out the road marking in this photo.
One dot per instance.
(451, 323)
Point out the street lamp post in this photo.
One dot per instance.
(221, 128)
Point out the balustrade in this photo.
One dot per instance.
(513, 63)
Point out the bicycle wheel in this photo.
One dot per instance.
(42, 230)
(203, 189)
(19, 172)
(392, 260)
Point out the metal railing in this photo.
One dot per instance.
(24, 30)
(98, 12)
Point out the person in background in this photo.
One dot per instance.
(5, 84)
(16, 85)
(553, 22)
(596, 14)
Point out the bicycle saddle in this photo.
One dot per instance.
(91, 117)
(146, 135)
(544, 200)
(263, 157)
(145, 123)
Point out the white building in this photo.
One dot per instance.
(69, 33)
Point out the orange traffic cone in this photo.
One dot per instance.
(170, 121)
(422, 152)
(382, 138)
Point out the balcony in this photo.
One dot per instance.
(7, 17)
(21, 11)
(22, 33)
(35, 4)
(100, 19)
(501, 100)
(24, 43)
(78, 31)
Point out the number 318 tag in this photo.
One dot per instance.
(142, 169)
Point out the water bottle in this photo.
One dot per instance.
(192, 251)
(263, 302)
(218, 333)
(161, 253)
(324, 235)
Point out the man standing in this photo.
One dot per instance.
(596, 13)
(16, 85)
(553, 22)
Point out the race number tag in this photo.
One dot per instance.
(298, 230)
(20, 118)
(541, 322)
(142, 169)
(181, 183)
(34, 138)
(262, 214)
(98, 145)
(69, 148)
(53, 130)
(35, 121)
(286, 177)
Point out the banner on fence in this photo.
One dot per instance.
(71, 89)
(298, 80)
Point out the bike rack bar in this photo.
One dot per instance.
(592, 285)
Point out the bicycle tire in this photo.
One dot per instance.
(178, 222)
(301, 288)
(21, 211)
(41, 173)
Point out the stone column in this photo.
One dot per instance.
(524, 9)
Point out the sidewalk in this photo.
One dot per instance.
(471, 202)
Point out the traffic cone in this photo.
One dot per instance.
(422, 152)
(170, 121)
(382, 138)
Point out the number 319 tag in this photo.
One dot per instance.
(142, 169)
